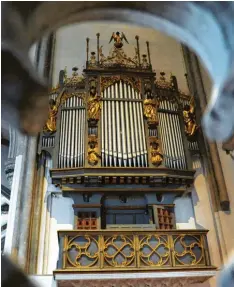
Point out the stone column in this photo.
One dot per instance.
(21, 199)
(209, 149)
(209, 152)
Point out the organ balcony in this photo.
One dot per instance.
(82, 251)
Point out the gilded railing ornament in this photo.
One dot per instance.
(93, 152)
(191, 126)
(50, 126)
(156, 156)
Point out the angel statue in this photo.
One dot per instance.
(94, 104)
(189, 119)
(50, 125)
(118, 39)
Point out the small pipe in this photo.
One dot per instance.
(98, 35)
(148, 51)
(138, 50)
(87, 51)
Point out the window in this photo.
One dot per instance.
(87, 220)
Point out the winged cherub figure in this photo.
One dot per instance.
(118, 39)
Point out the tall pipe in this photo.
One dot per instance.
(136, 129)
(128, 128)
(98, 35)
(73, 131)
(138, 50)
(102, 128)
(114, 126)
(148, 52)
(87, 52)
(106, 130)
(123, 122)
(110, 128)
(133, 142)
(119, 148)
(139, 130)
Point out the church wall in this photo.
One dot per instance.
(227, 163)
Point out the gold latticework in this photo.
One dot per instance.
(104, 250)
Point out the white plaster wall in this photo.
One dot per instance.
(62, 218)
(70, 47)
(184, 213)
(205, 218)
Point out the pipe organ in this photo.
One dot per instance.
(118, 114)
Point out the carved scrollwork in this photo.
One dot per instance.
(117, 57)
(119, 251)
(188, 250)
(154, 250)
(108, 81)
(82, 251)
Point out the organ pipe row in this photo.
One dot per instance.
(171, 137)
(123, 133)
(72, 132)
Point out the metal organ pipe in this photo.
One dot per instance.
(114, 151)
(103, 128)
(171, 136)
(140, 129)
(136, 128)
(110, 129)
(123, 121)
(131, 125)
(128, 128)
(118, 125)
(106, 130)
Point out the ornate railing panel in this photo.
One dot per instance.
(132, 250)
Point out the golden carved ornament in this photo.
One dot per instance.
(93, 105)
(75, 79)
(151, 111)
(110, 80)
(50, 125)
(117, 56)
(93, 151)
(191, 126)
(162, 83)
(156, 155)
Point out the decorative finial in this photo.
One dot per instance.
(75, 69)
(162, 76)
